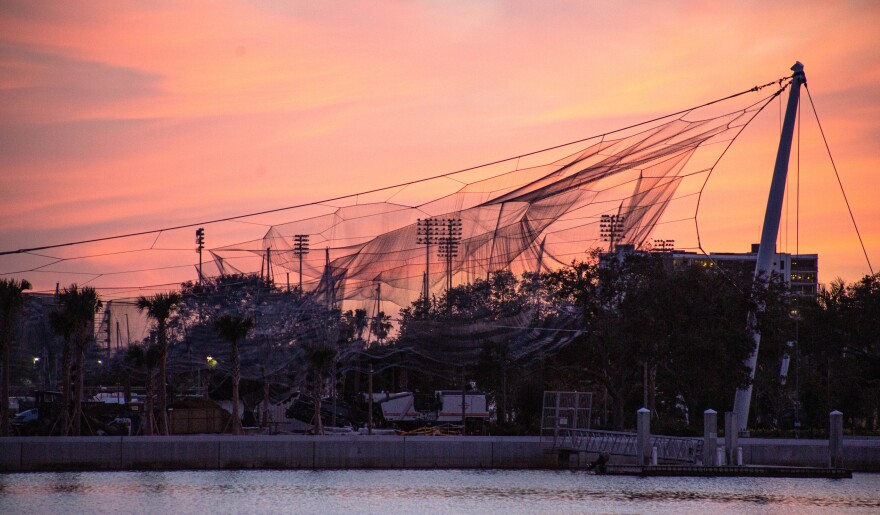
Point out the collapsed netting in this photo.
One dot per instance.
(611, 190)
(383, 250)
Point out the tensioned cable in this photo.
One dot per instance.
(839, 182)
(313, 203)
(711, 169)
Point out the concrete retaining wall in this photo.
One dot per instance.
(862, 454)
(313, 452)
(294, 452)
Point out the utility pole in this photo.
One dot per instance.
(767, 249)
(200, 244)
(300, 249)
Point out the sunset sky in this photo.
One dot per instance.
(125, 116)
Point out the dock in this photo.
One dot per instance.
(729, 471)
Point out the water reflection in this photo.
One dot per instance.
(441, 491)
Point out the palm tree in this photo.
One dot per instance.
(360, 322)
(160, 307)
(380, 326)
(141, 357)
(320, 358)
(234, 328)
(73, 320)
(63, 325)
(11, 302)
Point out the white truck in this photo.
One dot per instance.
(444, 406)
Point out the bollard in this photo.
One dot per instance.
(835, 439)
(643, 442)
(710, 436)
(653, 455)
(719, 456)
(739, 456)
(731, 431)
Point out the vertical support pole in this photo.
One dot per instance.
(710, 437)
(109, 329)
(269, 277)
(328, 276)
(463, 405)
(767, 249)
(335, 393)
(370, 408)
(731, 434)
(835, 439)
(643, 442)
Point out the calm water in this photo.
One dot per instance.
(435, 491)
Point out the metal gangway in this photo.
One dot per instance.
(565, 427)
(670, 449)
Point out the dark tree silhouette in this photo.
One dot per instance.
(233, 329)
(72, 321)
(145, 358)
(320, 358)
(11, 302)
(160, 307)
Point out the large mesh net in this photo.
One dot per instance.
(379, 251)
(526, 214)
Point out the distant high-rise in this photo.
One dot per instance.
(799, 271)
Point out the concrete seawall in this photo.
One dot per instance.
(23, 454)
(288, 452)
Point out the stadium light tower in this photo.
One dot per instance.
(200, 245)
(426, 234)
(611, 229)
(664, 245)
(300, 249)
(448, 239)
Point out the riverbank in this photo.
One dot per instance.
(194, 452)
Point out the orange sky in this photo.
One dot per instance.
(124, 116)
